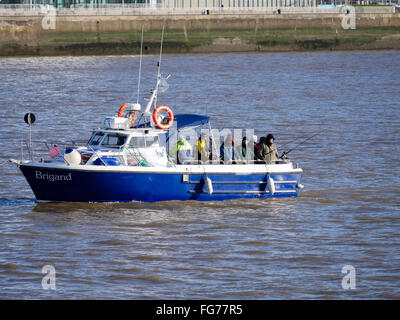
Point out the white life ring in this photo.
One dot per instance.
(156, 120)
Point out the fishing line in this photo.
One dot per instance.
(295, 147)
(299, 144)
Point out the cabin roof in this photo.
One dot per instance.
(184, 120)
(189, 120)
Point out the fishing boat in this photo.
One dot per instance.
(129, 159)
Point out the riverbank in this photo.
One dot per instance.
(196, 34)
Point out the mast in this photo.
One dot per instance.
(140, 66)
(159, 64)
(153, 98)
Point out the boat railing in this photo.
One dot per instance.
(95, 153)
(137, 156)
(231, 162)
(79, 142)
(39, 149)
(31, 147)
(279, 161)
(192, 162)
(214, 162)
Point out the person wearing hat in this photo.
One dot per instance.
(268, 151)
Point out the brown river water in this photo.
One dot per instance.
(348, 213)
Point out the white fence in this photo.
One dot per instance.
(146, 9)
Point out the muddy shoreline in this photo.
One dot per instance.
(204, 42)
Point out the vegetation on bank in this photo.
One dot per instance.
(108, 43)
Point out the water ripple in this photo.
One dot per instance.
(348, 212)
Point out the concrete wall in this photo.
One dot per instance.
(119, 34)
(30, 27)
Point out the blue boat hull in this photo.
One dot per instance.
(54, 184)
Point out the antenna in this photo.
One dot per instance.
(153, 98)
(161, 46)
(29, 119)
(159, 62)
(140, 65)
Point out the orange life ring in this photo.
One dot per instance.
(121, 112)
(170, 115)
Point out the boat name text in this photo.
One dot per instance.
(53, 177)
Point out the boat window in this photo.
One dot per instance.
(113, 140)
(137, 142)
(151, 141)
(96, 138)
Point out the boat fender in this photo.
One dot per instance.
(72, 157)
(54, 151)
(209, 186)
(271, 185)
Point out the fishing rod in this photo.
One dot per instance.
(283, 145)
(299, 144)
(290, 150)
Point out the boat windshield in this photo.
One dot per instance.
(113, 140)
(152, 141)
(141, 142)
(96, 138)
(109, 140)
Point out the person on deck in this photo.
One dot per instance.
(228, 150)
(247, 150)
(257, 149)
(182, 149)
(202, 150)
(268, 151)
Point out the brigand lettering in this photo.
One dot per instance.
(52, 177)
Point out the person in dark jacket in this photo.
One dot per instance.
(247, 150)
(257, 155)
(268, 151)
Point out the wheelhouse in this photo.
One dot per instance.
(116, 140)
